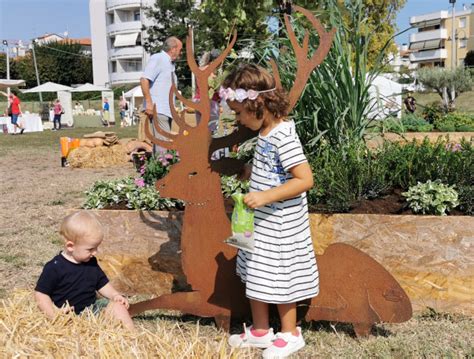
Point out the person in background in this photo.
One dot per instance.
(206, 59)
(106, 112)
(123, 106)
(58, 111)
(14, 111)
(410, 103)
(156, 83)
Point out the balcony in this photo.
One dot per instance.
(129, 26)
(431, 55)
(135, 52)
(429, 35)
(430, 19)
(117, 78)
(122, 4)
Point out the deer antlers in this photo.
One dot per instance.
(305, 67)
(204, 106)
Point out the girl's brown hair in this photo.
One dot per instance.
(253, 77)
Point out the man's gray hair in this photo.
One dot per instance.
(170, 43)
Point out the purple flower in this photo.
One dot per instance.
(457, 147)
(140, 182)
(169, 156)
(164, 163)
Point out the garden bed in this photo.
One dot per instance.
(428, 255)
(453, 137)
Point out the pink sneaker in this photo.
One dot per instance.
(249, 340)
(284, 345)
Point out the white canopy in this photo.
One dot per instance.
(48, 87)
(134, 92)
(89, 87)
(4, 83)
(126, 39)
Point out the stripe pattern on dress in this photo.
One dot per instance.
(283, 267)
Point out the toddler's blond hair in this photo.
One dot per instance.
(81, 225)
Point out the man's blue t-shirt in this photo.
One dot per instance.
(160, 71)
(65, 281)
(106, 106)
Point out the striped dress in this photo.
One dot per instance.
(283, 267)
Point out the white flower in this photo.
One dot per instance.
(240, 95)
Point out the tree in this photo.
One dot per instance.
(57, 62)
(444, 80)
(469, 59)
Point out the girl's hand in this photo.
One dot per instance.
(256, 199)
(121, 299)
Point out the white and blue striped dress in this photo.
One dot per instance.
(283, 267)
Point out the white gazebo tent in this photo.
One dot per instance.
(134, 94)
(64, 96)
(105, 92)
(4, 83)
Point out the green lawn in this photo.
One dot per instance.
(51, 138)
(464, 103)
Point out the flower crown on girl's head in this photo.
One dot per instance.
(240, 94)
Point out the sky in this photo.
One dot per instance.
(26, 19)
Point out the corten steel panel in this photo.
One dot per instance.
(354, 287)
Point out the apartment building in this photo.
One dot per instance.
(432, 44)
(118, 56)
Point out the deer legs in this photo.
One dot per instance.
(186, 302)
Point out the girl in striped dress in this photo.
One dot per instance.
(282, 269)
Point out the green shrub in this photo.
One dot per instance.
(466, 199)
(133, 193)
(345, 175)
(413, 123)
(431, 198)
(433, 112)
(409, 163)
(455, 121)
(393, 124)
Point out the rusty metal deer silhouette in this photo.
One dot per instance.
(354, 288)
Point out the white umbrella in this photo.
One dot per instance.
(89, 87)
(48, 87)
(11, 83)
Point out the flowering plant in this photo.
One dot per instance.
(158, 166)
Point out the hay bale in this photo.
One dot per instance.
(27, 333)
(91, 142)
(98, 157)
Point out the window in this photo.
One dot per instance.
(462, 43)
(462, 22)
(111, 18)
(132, 65)
(114, 66)
(136, 15)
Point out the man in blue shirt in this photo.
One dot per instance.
(156, 84)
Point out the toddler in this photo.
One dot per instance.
(74, 276)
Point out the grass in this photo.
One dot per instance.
(464, 102)
(50, 139)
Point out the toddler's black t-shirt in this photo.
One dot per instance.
(65, 281)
